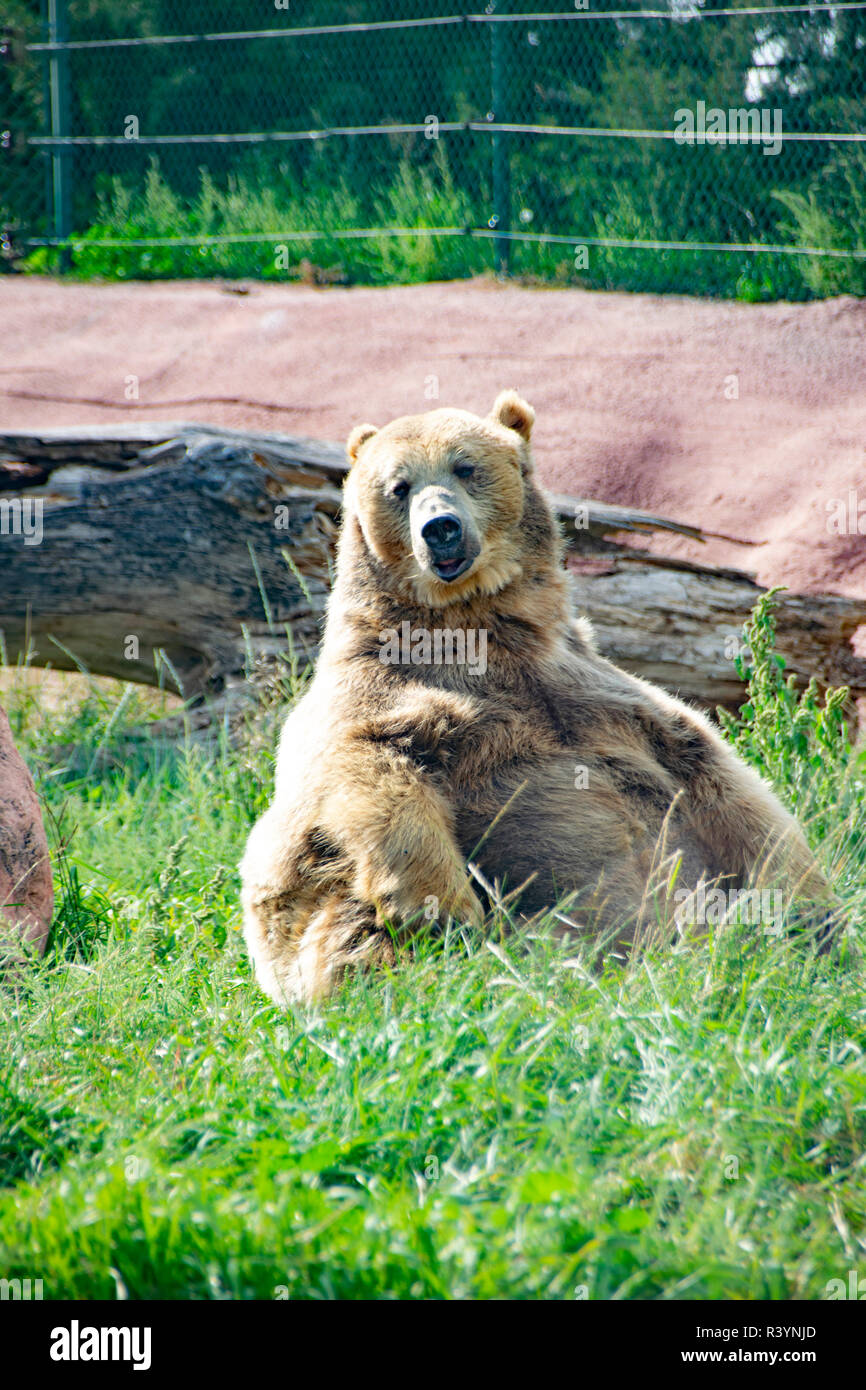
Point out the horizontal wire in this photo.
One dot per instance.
(449, 127)
(487, 233)
(230, 238)
(309, 31)
(313, 31)
(683, 138)
(685, 16)
(245, 137)
(624, 243)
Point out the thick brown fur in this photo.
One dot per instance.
(552, 770)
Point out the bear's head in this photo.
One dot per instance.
(440, 499)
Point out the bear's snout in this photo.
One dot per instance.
(444, 538)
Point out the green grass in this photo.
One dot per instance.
(486, 1121)
(278, 206)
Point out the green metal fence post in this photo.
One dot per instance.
(61, 155)
(501, 164)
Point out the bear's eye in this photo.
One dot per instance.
(464, 470)
(400, 490)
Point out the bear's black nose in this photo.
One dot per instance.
(442, 532)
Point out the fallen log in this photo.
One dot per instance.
(184, 555)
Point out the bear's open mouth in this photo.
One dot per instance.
(451, 569)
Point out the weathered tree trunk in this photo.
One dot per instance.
(180, 554)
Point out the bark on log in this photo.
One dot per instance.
(182, 553)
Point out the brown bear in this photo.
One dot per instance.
(461, 727)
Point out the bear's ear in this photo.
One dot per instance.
(514, 413)
(360, 434)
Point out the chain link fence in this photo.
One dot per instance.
(705, 148)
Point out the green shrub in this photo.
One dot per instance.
(832, 214)
(800, 741)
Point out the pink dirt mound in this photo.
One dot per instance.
(748, 419)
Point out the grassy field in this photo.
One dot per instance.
(491, 1120)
